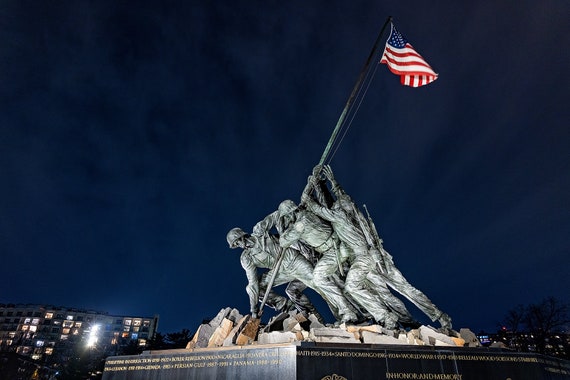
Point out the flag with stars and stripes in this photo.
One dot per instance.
(403, 60)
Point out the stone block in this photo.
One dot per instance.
(375, 338)
(470, 338)
(315, 322)
(220, 317)
(432, 337)
(221, 333)
(291, 324)
(202, 337)
(300, 317)
(459, 342)
(332, 335)
(276, 337)
(232, 336)
(414, 338)
(372, 328)
(249, 332)
(235, 316)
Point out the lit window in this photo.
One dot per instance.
(39, 343)
(77, 324)
(36, 356)
(12, 334)
(125, 335)
(63, 337)
(27, 321)
(33, 328)
(49, 316)
(134, 336)
(75, 331)
(67, 323)
(142, 342)
(136, 329)
(127, 322)
(69, 318)
(146, 323)
(126, 328)
(137, 322)
(57, 323)
(25, 328)
(9, 342)
(49, 350)
(35, 321)
(65, 331)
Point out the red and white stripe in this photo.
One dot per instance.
(414, 71)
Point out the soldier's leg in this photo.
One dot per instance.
(319, 280)
(357, 287)
(299, 268)
(377, 284)
(398, 282)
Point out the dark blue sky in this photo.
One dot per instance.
(133, 137)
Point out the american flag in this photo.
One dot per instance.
(403, 60)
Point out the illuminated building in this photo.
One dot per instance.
(46, 332)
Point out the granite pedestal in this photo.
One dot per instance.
(318, 361)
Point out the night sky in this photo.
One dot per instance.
(134, 135)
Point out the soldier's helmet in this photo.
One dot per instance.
(286, 207)
(234, 235)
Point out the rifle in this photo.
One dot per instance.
(271, 281)
(366, 231)
(385, 255)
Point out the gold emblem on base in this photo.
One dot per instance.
(334, 376)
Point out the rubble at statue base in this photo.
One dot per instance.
(294, 347)
(230, 328)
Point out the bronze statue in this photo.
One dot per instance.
(327, 244)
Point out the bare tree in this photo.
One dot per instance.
(546, 318)
(539, 323)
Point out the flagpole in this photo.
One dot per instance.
(354, 92)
